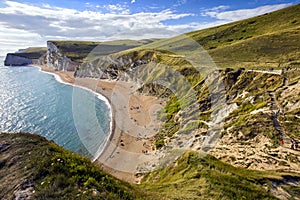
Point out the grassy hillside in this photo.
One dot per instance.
(80, 50)
(269, 40)
(30, 163)
(277, 49)
(224, 35)
(40, 50)
(196, 177)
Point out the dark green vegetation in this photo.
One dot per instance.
(31, 53)
(55, 173)
(40, 50)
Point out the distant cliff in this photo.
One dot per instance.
(69, 55)
(21, 59)
(25, 57)
(14, 59)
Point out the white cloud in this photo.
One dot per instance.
(219, 13)
(117, 8)
(132, 1)
(24, 24)
(14, 39)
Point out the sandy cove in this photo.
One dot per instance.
(134, 124)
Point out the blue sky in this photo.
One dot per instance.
(33, 22)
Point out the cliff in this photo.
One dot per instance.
(69, 55)
(56, 60)
(116, 66)
(24, 57)
(16, 59)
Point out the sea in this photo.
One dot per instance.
(36, 102)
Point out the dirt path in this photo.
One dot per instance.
(276, 72)
(275, 111)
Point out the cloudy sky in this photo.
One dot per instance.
(33, 22)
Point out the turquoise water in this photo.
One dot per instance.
(35, 102)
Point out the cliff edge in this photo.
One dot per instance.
(25, 57)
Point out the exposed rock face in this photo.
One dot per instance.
(25, 190)
(16, 60)
(57, 61)
(113, 67)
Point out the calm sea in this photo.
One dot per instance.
(35, 102)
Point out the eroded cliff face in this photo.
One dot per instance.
(56, 60)
(16, 60)
(114, 67)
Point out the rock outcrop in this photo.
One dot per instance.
(115, 67)
(25, 57)
(56, 60)
(16, 59)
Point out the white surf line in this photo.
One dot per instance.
(99, 96)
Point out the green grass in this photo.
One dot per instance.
(196, 177)
(31, 52)
(269, 50)
(41, 50)
(269, 40)
(249, 28)
(61, 174)
(56, 173)
(80, 51)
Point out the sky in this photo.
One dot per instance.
(33, 22)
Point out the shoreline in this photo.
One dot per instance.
(133, 123)
(101, 97)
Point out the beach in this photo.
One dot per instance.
(134, 124)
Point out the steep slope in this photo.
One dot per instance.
(196, 177)
(255, 133)
(263, 132)
(270, 38)
(31, 167)
(272, 50)
(34, 168)
(242, 30)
